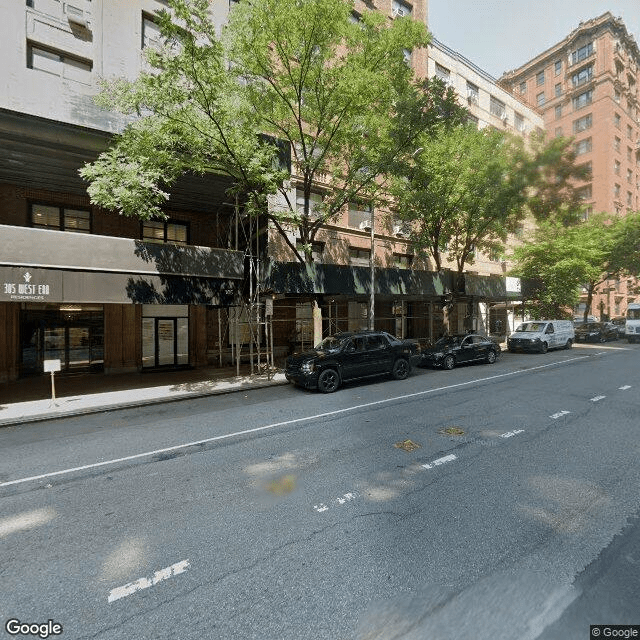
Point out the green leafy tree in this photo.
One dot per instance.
(565, 260)
(464, 192)
(337, 92)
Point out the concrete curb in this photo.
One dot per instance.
(55, 413)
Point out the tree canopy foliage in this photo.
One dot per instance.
(468, 189)
(567, 259)
(336, 90)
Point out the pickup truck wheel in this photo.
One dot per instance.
(491, 356)
(544, 347)
(328, 381)
(569, 344)
(400, 369)
(449, 362)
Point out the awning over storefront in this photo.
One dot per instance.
(296, 278)
(40, 265)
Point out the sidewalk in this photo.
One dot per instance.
(29, 399)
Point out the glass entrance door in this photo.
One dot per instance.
(75, 336)
(165, 342)
(166, 339)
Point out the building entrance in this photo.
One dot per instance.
(74, 334)
(165, 335)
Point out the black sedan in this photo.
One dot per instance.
(346, 356)
(596, 332)
(449, 351)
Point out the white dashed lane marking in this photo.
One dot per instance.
(598, 398)
(145, 583)
(555, 416)
(625, 387)
(336, 502)
(439, 461)
(510, 434)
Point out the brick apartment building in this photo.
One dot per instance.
(106, 293)
(586, 87)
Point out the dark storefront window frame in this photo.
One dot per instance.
(64, 220)
(165, 225)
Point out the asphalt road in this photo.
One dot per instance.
(510, 510)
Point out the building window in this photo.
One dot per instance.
(629, 198)
(558, 132)
(402, 260)
(558, 67)
(359, 216)
(497, 108)
(359, 257)
(585, 193)
(523, 87)
(616, 96)
(582, 76)
(60, 218)
(400, 9)
(616, 191)
(166, 231)
(616, 143)
(629, 154)
(558, 89)
(58, 63)
(443, 73)
(518, 122)
(317, 251)
(558, 112)
(315, 204)
(473, 92)
(583, 99)
(582, 53)
(587, 167)
(584, 146)
(540, 99)
(629, 176)
(617, 119)
(629, 132)
(616, 167)
(582, 124)
(151, 36)
(540, 78)
(473, 120)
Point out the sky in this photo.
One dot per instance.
(500, 35)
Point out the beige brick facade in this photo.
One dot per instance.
(586, 87)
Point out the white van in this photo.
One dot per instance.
(542, 335)
(632, 323)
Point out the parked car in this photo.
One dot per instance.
(542, 335)
(596, 332)
(620, 325)
(346, 356)
(449, 351)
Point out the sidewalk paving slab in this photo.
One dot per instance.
(30, 401)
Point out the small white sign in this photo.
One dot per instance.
(52, 365)
(513, 285)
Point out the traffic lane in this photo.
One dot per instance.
(33, 450)
(378, 489)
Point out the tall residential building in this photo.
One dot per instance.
(102, 292)
(586, 87)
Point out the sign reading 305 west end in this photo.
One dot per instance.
(29, 285)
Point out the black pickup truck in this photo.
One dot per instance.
(345, 356)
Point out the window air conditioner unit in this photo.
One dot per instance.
(399, 12)
(75, 15)
(365, 225)
(400, 231)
